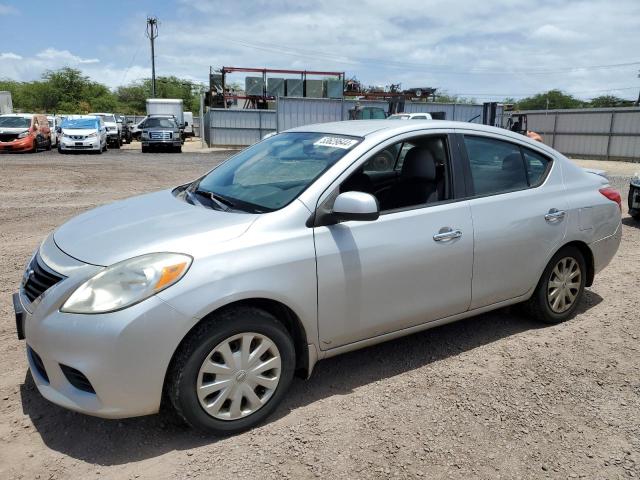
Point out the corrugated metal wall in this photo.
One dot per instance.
(238, 127)
(245, 127)
(601, 133)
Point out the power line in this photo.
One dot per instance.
(298, 52)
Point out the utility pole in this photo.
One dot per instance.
(152, 33)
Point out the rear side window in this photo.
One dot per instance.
(496, 166)
(537, 166)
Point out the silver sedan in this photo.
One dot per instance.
(313, 242)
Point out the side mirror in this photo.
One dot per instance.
(186, 124)
(358, 206)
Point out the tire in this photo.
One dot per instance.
(177, 149)
(48, 147)
(544, 305)
(60, 151)
(200, 348)
(145, 149)
(636, 217)
(104, 149)
(35, 146)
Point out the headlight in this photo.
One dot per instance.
(24, 134)
(126, 283)
(92, 135)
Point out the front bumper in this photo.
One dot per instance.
(634, 200)
(124, 355)
(19, 145)
(84, 144)
(161, 143)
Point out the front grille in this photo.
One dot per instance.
(77, 379)
(39, 278)
(37, 363)
(8, 137)
(78, 137)
(160, 135)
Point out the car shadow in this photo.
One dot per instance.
(114, 442)
(631, 222)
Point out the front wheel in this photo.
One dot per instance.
(561, 287)
(231, 372)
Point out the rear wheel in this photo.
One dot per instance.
(231, 372)
(561, 287)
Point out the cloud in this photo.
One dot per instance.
(480, 49)
(9, 56)
(8, 10)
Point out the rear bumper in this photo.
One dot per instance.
(20, 145)
(604, 250)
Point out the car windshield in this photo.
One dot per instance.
(107, 118)
(80, 123)
(160, 122)
(272, 173)
(15, 122)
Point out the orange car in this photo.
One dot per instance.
(24, 132)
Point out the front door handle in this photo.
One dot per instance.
(447, 233)
(555, 215)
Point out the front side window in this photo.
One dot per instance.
(272, 173)
(418, 175)
(496, 166)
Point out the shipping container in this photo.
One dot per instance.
(294, 88)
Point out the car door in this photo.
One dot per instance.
(410, 266)
(518, 207)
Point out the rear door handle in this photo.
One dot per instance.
(554, 215)
(446, 234)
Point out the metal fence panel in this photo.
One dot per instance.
(585, 145)
(627, 122)
(625, 147)
(584, 122)
(238, 127)
(294, 112)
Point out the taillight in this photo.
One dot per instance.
(613, 195)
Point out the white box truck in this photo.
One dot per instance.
(6, 105)
(166, 106)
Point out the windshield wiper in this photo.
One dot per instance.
(212, 199)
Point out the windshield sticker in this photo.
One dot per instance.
(336, 142)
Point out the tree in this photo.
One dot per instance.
(553, 99)
(604, 101)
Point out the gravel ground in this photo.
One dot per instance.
(494, 396)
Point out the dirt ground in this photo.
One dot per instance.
(495, 396)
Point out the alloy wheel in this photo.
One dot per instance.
(564, 285)
(239, 376)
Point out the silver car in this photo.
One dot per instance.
(212, 295)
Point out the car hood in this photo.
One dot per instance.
(155, 222)
(78, 131)
(13, 130)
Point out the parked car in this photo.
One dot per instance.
(212, 295)
(136, 129)
(54, 122)
(24, 132)
(161, 132)
(634, 197)
(113, 129)
(125, 132)
(83, 132)
(188, 125)
(410, 116)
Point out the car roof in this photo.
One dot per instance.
(364, 128)
(23, 115)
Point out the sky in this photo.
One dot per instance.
(485, 50)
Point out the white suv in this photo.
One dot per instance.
(113, 129)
